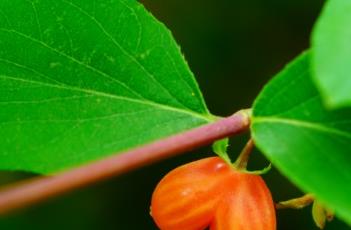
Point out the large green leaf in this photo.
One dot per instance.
(307, 142)
(83, 79)
(331, 42)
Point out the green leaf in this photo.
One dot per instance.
(307, 142)
(331, 42)
(220, 148)
(80, 80)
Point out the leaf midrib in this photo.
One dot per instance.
(112, 96)
(300, 123)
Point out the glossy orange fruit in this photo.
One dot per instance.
(211, 193)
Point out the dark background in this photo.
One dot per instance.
(234, 47)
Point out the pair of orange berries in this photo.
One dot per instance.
(211, 193)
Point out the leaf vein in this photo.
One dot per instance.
(306, 124)
(112, 96)
(74, 60)
(129, 55)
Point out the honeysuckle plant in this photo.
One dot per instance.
(94, 89)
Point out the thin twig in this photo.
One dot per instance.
(39, 189)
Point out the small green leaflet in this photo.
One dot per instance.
(220, 148)
(331, 59)
(80, 80)
(307, 142)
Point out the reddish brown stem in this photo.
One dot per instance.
(39, 189)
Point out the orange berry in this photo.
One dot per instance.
(209, 192)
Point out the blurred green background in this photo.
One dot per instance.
(234, 47)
